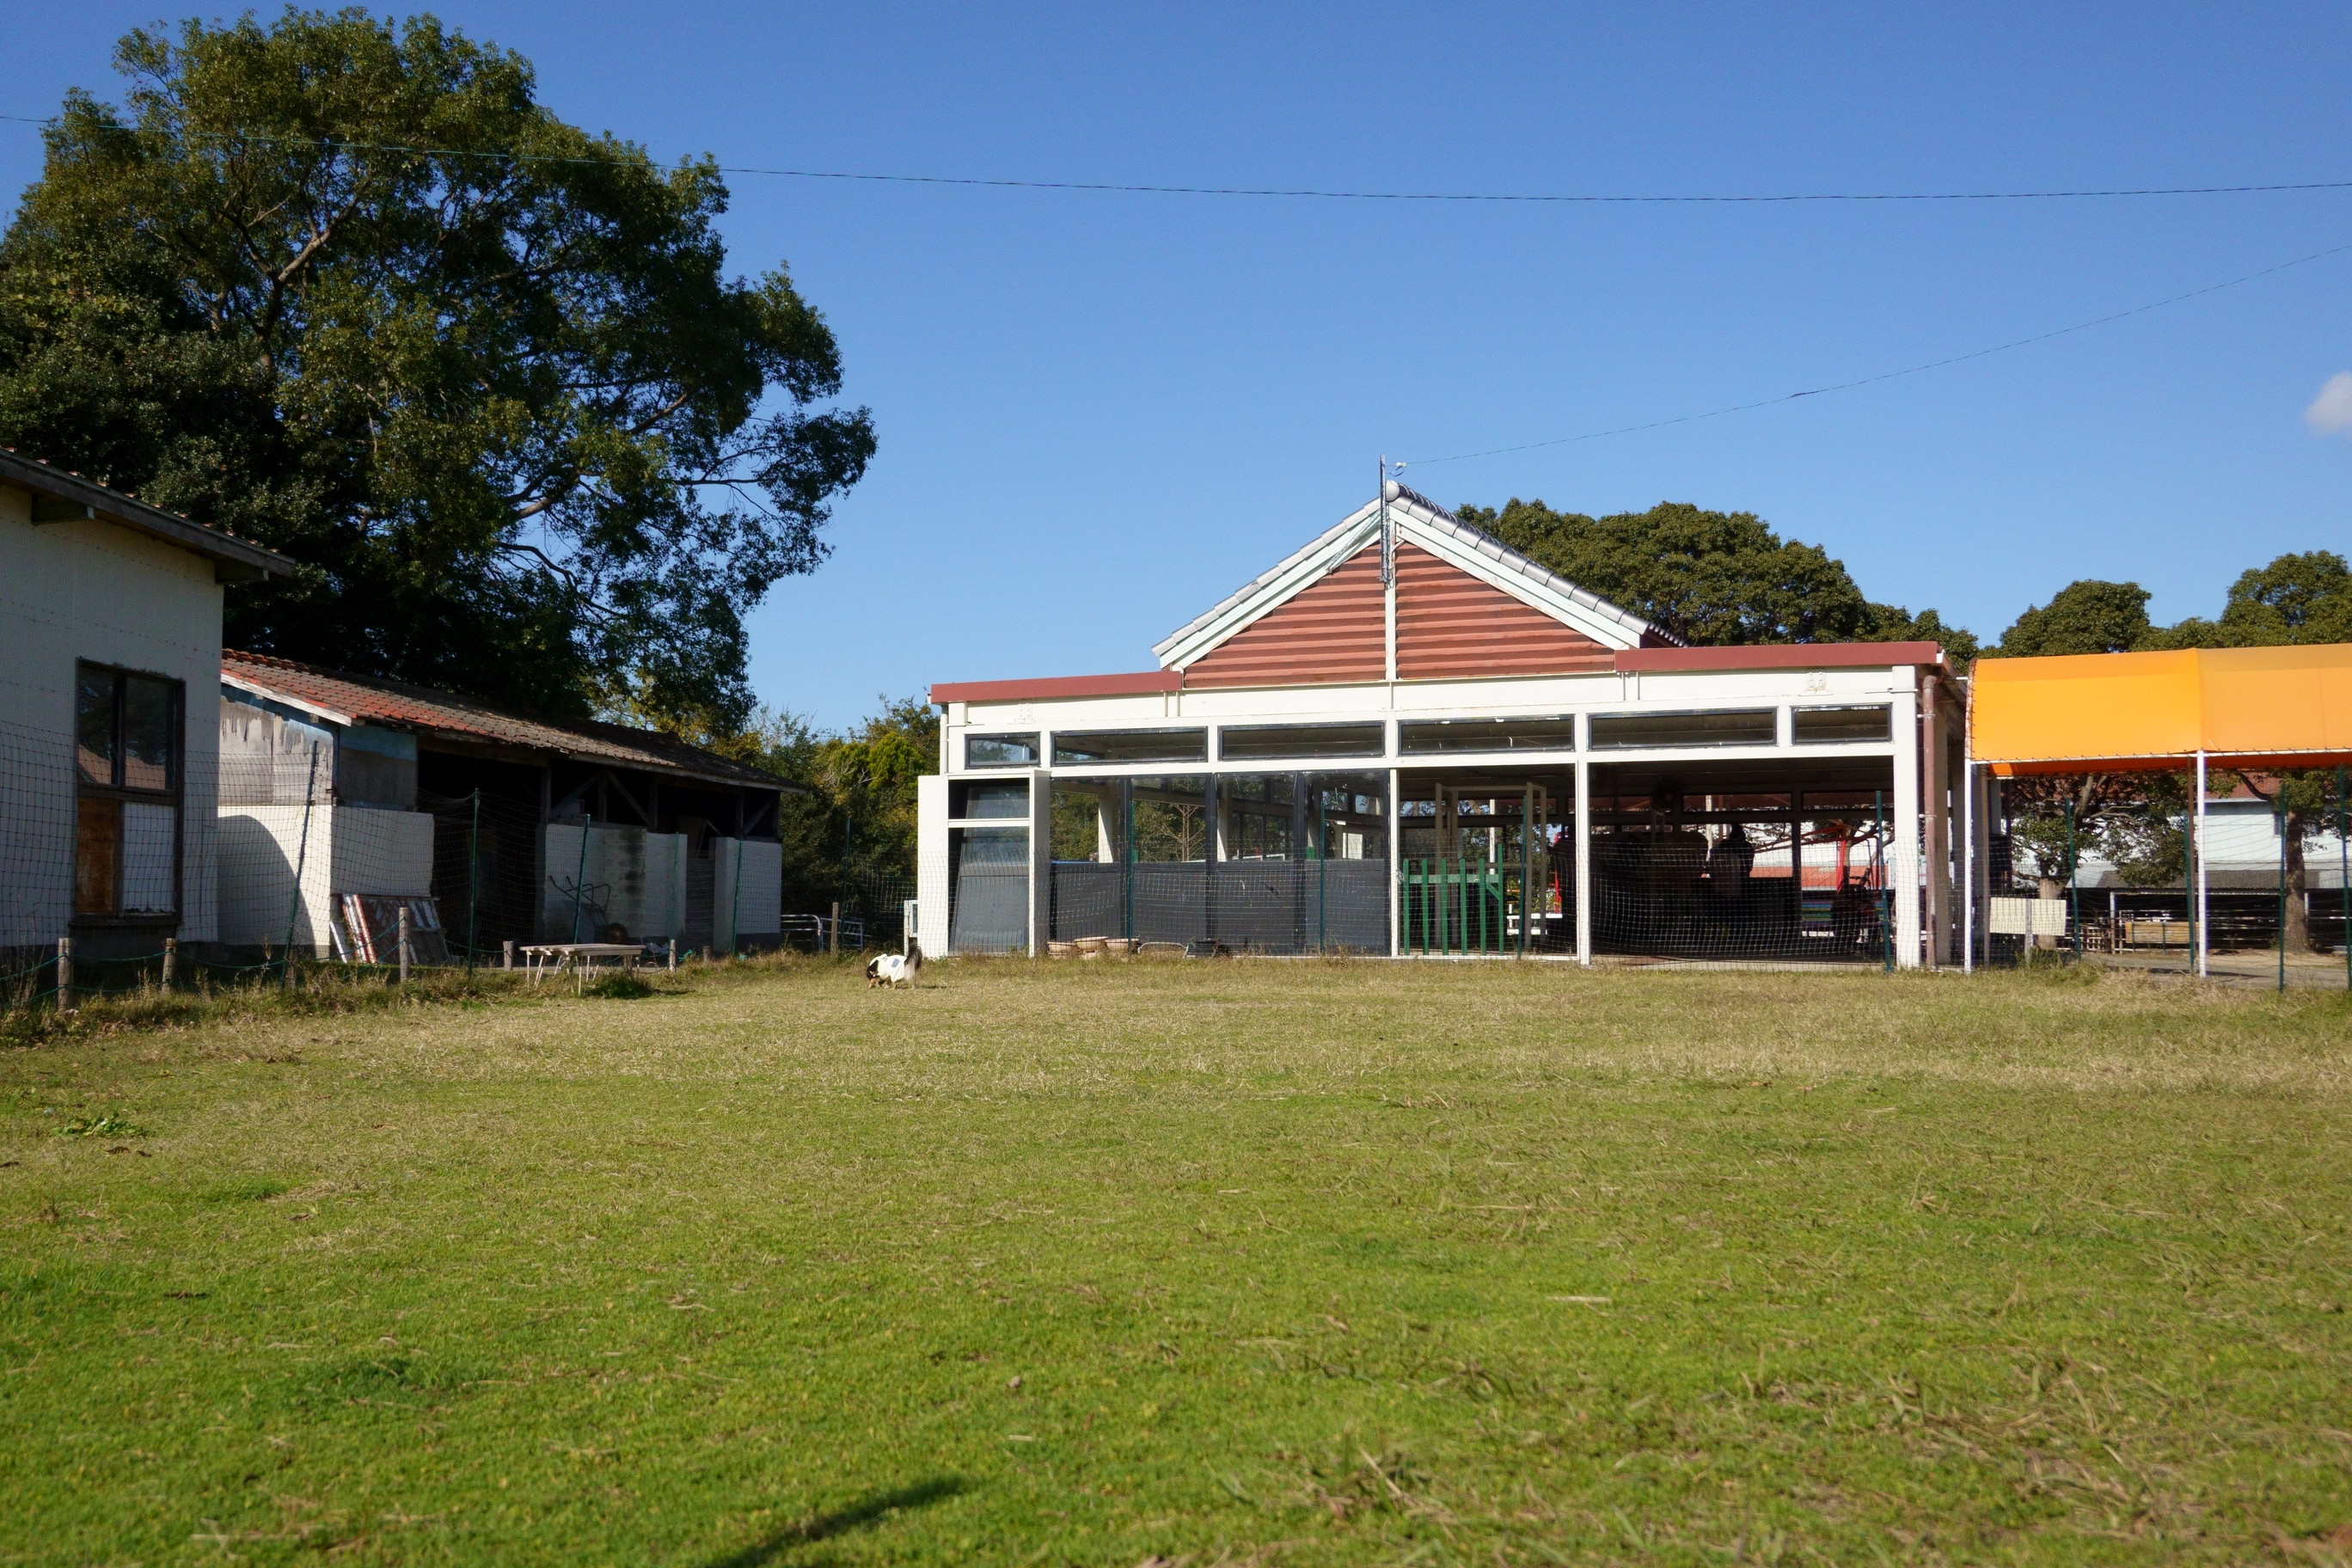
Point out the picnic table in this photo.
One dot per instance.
(559, 956)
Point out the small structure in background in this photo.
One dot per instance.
(109, 620)
(344, 796)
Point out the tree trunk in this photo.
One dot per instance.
(2298, 923)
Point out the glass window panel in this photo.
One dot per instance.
(1000, 750)
(1251, 742)
(94, 723)
(147, 733)
(98, 856)
(1821, 726)
(993, 846)
(990, 800)
(149, 838)
(1077, 748)
(1171, 817)
(1552, 734)
(1726, 727)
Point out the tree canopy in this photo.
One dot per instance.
(1711, 577)
(345, 288)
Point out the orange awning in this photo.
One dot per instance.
(2108, 712)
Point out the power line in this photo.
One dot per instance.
(1105, 186)
(1891, 374)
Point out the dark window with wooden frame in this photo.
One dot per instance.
(126, 748)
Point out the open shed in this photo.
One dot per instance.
(1406, 738)
(520, 830)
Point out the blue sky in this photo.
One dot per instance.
(1099, 414)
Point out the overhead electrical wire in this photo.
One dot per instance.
(1890, 375)
(1113, 187)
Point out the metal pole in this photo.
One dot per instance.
(402, 947)
(735, 912)
(2281, 812)
(580, 879)
(2202, 929)
(2343, 882)
(834, 944)
(473, 879)
(1967, 854)
(301, 858)
(1526, 861)
(1322, 877)
(1886, 894)
(2074, 886)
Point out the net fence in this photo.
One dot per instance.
(2118, 869)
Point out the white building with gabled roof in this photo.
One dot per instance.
(1406, 738)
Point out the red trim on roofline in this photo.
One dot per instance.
(1780, 655)
(1137, 683)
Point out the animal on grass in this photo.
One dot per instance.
(895, 968)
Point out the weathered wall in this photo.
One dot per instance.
(340, 850)
(91, 590)
(637, 879)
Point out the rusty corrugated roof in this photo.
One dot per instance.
(346, 699)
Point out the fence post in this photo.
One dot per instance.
(65, 974)
(833, 943)
(403, 944)
(673, 955)
(2073, 883)
(170, 960)
(506, 953)
(2343, 882)
(473, 879)
(2281, 827)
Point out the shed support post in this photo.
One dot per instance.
(1903, 866)
(2204, 936)
(1583, 855)
(1041, 861)
(1396, 865)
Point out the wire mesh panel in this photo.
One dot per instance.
(1744, 879)
(1275, 906)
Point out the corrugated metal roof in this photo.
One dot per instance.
(242, 560)
(1501, 558)
(345, 699)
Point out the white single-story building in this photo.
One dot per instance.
(1406, 738)
(110, 656)
(493, 827)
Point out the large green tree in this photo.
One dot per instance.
(1710, 576)
(346, 287)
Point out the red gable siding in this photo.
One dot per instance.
(1451, 623)
(1336, 630)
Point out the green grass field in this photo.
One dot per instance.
(1232, 1262)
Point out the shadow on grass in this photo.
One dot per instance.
(857, 1515)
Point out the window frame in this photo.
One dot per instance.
(1885, 711)
(1596, 741)
(1375, 730)
(1160, 759)
(1498, 730)
(1033, 739)
(173, 794)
